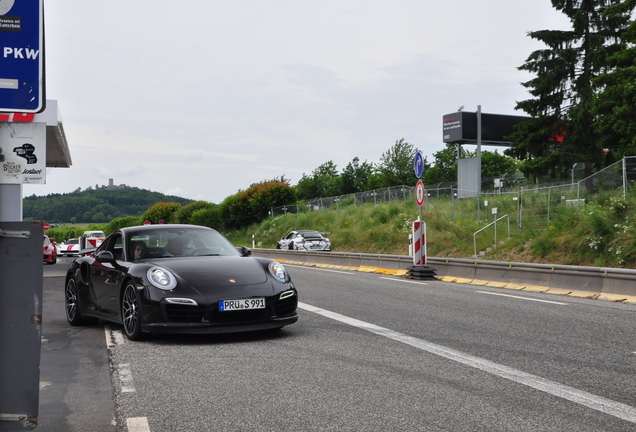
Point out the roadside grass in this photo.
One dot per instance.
(602, 233)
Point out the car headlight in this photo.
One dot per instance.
(278, 271)
(162, 278)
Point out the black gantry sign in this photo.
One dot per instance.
(461, 127)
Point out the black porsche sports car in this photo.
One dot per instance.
(178, 279)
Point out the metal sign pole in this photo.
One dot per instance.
(478, 162)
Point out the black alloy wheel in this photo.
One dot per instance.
(71, 303)
(130, 312)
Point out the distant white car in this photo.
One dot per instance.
(70, 247)
(308, 240)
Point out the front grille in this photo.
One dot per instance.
(286, 306)
(185, 313)
(211, 313)
(239, 316)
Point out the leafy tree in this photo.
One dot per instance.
(162, 211)
(444, 167)
(235, 211)
(122, 222)
(265, 196)
(320, 184)
(615, 105)
(355, 176)
(209, 217)
(396, 165)
(185, 213)
(253, 205)
(562, 132)
(306, 187)
(494, 164)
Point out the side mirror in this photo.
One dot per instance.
(105, 256)
(245, 251)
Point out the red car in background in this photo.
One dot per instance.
(49, 250)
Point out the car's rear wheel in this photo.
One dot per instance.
(130, 312)
(72, 306)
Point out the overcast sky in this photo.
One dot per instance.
(202, 98)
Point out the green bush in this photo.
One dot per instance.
(166, 211)
(122, 222)
(184, 214)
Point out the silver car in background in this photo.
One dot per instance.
(307, 240)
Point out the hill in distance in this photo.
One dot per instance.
(98, 205)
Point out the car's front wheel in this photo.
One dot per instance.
(72, 305)
(130, 312)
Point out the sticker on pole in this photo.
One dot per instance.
(419, 193)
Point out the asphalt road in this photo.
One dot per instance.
(369, 353)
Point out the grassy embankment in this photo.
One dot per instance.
(603, 233)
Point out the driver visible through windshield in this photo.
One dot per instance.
(173, 242)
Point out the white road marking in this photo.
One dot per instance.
(581, 397)
(113, 337)
(523, 298)
(137, 424)
(404, 280)
(126, 378)
(109, 338)
(118, 337)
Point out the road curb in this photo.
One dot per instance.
(551, 275)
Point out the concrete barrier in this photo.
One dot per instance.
(590, 282)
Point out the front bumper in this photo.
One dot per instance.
(161, 316)
(209, 328)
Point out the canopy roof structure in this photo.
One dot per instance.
(58, 154)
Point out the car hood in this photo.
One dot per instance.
(203, 272)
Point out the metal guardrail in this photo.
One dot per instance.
(598, 280)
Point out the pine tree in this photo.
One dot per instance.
(615, 105)
(562, 132)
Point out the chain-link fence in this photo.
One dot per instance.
(529, 207)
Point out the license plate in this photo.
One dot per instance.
(242, 304)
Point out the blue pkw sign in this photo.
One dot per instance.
(22, 56)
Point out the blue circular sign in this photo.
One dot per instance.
(418, 165)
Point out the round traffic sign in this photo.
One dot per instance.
(418, 164)
(46, 226)
(419, 193)
(146, 222)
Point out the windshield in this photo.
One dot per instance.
(171, 242)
